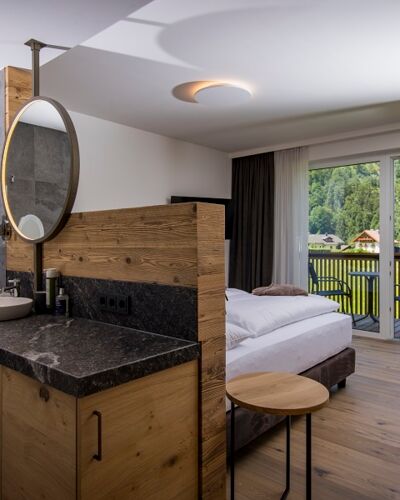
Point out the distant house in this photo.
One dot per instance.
(368, 241)
(324, 242)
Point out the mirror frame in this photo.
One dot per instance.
(74, 170)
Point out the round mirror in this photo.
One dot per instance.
(40, 169)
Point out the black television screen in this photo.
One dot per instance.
(219, 201)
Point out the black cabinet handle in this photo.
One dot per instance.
(99, 455)
(44, 393)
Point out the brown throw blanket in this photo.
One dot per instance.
(279, 289)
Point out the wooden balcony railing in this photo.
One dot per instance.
(339, 265)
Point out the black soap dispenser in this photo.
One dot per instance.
(62, 304)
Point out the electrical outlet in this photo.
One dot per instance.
(122, 304)
(111, 303)
(114, 303)
(103, 302)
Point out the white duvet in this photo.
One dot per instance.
(261, 315)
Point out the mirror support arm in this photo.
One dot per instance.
(37, 266)
(36, 47)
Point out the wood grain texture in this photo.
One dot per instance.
(39, 444)
(18, 90)
(211, 334)
(356, 439)
(150, 429)
(277, 393)
(147, 244)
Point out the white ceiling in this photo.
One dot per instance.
(315, 67)
(57, 22)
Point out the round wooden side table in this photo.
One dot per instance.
(277, 393)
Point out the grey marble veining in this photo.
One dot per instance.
(81, 357)
(163, 309)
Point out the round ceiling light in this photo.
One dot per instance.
(222, 95)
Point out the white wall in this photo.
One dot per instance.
(122, 167)
(364, 145)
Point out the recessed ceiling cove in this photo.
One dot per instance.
(211, 93)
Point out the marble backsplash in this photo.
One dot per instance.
(163, 309)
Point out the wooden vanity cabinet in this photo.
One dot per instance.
(38, 446)
(137, 440)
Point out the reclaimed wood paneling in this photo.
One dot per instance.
(18, 90)
(147, 244)
(211, 334)
(180, 244)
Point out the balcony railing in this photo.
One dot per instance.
(340, 265)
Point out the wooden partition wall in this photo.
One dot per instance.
(17, 89)
(176, 245)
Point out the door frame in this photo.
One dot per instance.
(386, 230)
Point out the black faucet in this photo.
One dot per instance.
(14, 287)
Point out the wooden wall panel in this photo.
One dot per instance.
(18, 90)
(179, 244)
(147, 244)
(211, 334)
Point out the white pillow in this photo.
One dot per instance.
(261, 315)
(235, 293)
(235, 335)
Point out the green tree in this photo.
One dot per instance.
(345, 200)
(321, 220)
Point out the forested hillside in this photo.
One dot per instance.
(345, 200)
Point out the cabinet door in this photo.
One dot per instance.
(38, 440)
(149, 438)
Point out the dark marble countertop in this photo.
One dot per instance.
(81, 357)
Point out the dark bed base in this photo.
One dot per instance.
(250, 425)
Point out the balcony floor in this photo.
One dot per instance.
(370, 326)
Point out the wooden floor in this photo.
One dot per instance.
(356, 439)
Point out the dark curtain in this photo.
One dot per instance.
(252, 243)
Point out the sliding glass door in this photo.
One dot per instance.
(354, 240)
(344, 239)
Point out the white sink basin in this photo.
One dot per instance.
(14, 307)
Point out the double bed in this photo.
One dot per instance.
(301, 334)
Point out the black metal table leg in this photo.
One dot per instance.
(308, 457)
(232, 455)
(371, 299)
(287, 489)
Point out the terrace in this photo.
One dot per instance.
(340, 265)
